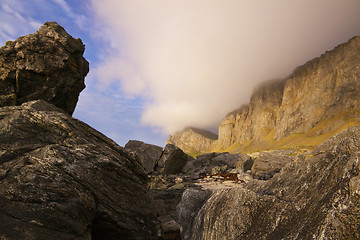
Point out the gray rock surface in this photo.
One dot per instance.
(267, 164)
(61, 179)
(315, 197)
(191, 202)
(210, 163)
(172, 160)
(147, 154)
(46, 65)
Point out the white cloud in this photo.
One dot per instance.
(196, 60)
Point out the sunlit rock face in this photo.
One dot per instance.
(193, 140)
(46, 65)
(318, 100)
(314, 197)
(321, 96)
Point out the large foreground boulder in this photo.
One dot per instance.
(46, 65)
(61, 179)
(315, 197)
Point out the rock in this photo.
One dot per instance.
(193, 140)
(172, 160)
(213, 163)
(191, 202)
(46, 65)
(315, 197)
(61, 179)
(147, 154)
(242, 162)
(267, 164)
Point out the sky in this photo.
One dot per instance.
(158, 66)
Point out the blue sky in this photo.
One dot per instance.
(161, 65)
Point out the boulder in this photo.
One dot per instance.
(267, 164)
(61, 179)
(191, 202)
(212, 163)
(46, 65)
(147, 154)
(315, 197)
(172, 160)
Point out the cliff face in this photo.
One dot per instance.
(318, 100)
(320, 97)
(193, 140)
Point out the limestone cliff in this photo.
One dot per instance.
(193, 140)
(318, 100)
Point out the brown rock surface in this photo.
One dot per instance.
(46, 65)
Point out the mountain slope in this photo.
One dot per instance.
(318, 100)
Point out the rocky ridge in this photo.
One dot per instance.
(289, 113)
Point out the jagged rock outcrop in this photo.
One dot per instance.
(61, 179)
(46, 65)
(313, 197)
(147, 154)
(193, 140)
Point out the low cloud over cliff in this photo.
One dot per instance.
(194, 61)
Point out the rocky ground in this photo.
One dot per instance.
(204, 175)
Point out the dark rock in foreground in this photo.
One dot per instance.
(172, 160)
(147, 154)
(61, 179)
(46, 65)
(314, 197)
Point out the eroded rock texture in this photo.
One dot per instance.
(316, 197)
(61, 179)
(46, 65)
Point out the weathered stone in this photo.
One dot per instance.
(172, 160)
(191, 202)
(147, 154)
(211, 163)
(46, 65)
(269, 163)
(313, 198)
(61, 179)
